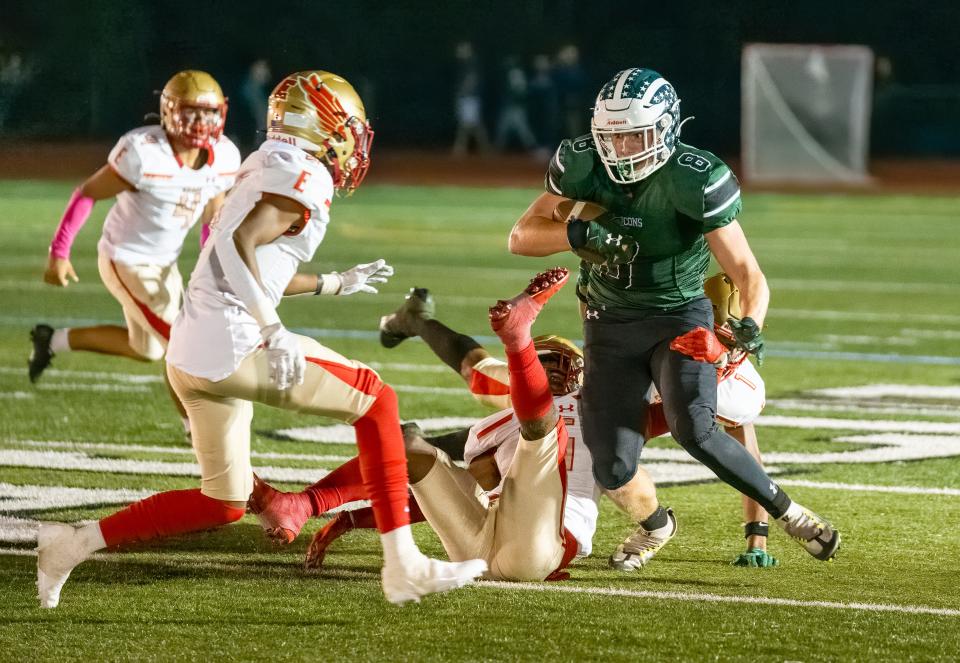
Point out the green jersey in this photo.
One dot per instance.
(668, 214)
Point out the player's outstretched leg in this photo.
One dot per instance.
(817, 536)
(401, 324)
(511, 319)
(282, 515)
(42, 354)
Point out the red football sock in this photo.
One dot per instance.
(383, 462)
(363, 518)
(529, 386)
(342, 485)
(167, 514)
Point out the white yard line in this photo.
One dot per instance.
(826, 423)
(59, 460)
(132, 378)
(900, 392)
(183, 451)
(865, 407)
(696, 597)
(688, 597)
(867, 488)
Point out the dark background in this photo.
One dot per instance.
(94, 65)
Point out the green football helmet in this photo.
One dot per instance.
(636, 124)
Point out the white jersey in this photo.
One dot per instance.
(501, 431)
(215, 331)
(148, 225)
(741, 395)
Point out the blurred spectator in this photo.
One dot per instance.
(513, 122)
(571, 81)
(468, 102)
(254, 91)
(543, 106)
(13, 74)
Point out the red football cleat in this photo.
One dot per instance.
(336, 527)
(511, 319)
(282, 515)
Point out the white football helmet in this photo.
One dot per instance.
(635, 125)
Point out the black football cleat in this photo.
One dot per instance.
(397, 326)
(42, 355)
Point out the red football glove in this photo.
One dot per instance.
(700, 344)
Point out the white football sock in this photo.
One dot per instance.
(60, 341)
(399, 548)
(91, 538)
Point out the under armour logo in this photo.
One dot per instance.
(592, 315)
(565, 408)
(773, 488)
(614, 239)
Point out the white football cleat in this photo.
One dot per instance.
(640, 547)
(59, 549)
(817, 536)
(427, 576)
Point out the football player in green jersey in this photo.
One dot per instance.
(668, 206)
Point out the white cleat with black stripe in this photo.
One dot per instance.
(640, 547)
(817, 536)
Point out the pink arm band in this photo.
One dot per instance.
(204, 234)
(78, 209)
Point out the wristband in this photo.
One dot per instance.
(577, 233)
(328, 284)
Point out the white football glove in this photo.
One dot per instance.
(359, 278)
(284, 356)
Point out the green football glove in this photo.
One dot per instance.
(595, 242)
(748, 336)
(755, 558)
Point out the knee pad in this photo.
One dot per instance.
(614, 475)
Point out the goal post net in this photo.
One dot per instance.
(806, 113)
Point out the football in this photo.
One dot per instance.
(576, 209)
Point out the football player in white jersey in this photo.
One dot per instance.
(229, 348)
(165, 178)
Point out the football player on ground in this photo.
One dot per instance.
(488, 447)
(669, 206)
(527, 502)
(229, 348)
(740, 400)
(165, 177)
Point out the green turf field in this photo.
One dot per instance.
(864, 293)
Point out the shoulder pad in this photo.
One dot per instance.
(705, 187)
(295, 174)
(571, 167)
(126, 159)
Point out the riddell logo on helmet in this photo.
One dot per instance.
(616, 122)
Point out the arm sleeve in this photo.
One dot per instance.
(242, 281)
(74, 216)
(125, 160)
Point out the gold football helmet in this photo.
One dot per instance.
(322, 114)
(563, 362)
(724, 296)
(193, 108)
